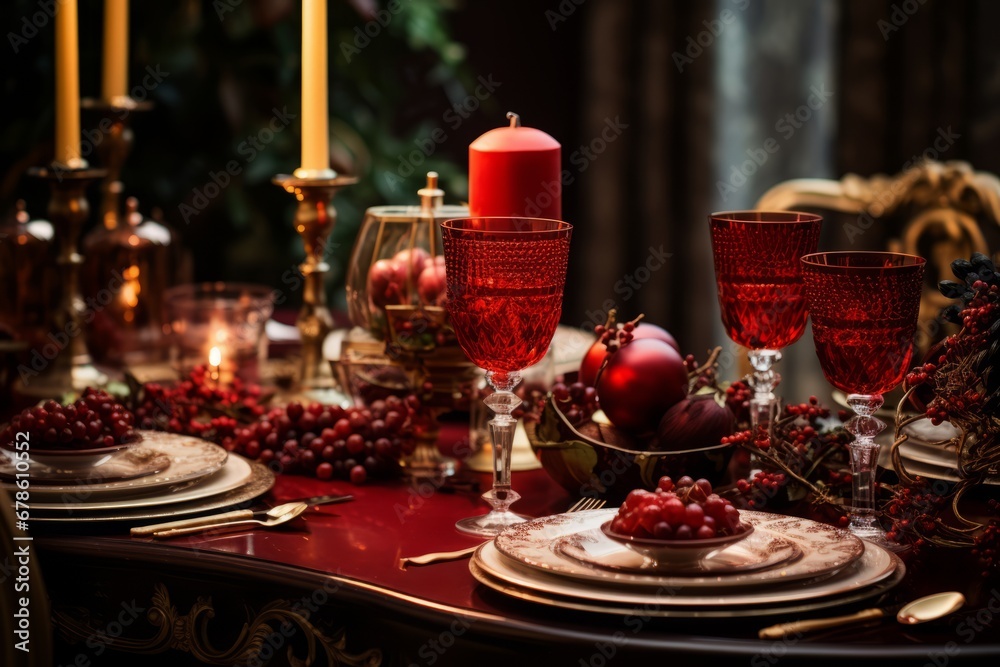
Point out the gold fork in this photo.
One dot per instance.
(582, 505)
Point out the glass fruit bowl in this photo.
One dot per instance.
(596, 459)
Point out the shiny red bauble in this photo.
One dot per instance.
(642, 380)
(595, 355)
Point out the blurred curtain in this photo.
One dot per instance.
(857, 86)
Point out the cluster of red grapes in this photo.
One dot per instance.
(330, 441)
(198, 406)
(95, 420)
(687, 510)
(912, 510)
(577, 401)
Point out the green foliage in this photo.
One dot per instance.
(231, 63)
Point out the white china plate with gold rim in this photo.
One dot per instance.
(234, 474)
(260, 482)
(875, 565)
(659, 611)
(191, 459)
(825, 549)
(946, 472)
(936, 456)
(760, 550)
(128, 463)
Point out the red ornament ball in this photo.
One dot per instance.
(595, 355)
(641, 382)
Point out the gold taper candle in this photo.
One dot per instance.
(315, 130)
(67, 85)
(115, 79)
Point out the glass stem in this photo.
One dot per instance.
(502, 427)
(764, 404)
(864, 458)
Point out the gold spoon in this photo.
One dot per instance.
(921, 610)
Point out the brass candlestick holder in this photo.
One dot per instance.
(62, 363)
(113, 143)
(315, 218)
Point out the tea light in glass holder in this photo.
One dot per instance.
(219, 326)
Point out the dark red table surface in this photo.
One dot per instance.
(362, 542)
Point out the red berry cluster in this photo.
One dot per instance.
(762, 488)
(738, 395)
(987, 544)
(198, 406)
(912, 510)
(810, 410)
(960, 371)
(577, 401)
(687, 510)
(330, 441)
(706, 378)
(95, 420)
(614, 337)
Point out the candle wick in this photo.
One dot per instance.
(515, 120)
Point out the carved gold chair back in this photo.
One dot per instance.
(940, 211)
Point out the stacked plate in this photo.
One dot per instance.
(785, 565)
(925, 454)
(164, 475)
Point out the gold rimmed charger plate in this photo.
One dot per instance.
(824, 550)
(592, 606)
(259, 482)
(875, 566)
(236, 472)
(191, 459)
(128, 463)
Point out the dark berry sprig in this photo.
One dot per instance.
(577, 402)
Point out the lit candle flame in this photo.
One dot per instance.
(215, 357)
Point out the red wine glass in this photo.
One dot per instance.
(864, 315)
(505, 279)
(759, 277)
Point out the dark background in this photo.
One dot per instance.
(899, 72)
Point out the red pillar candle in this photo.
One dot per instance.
(515, 171)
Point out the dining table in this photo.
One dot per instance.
(329, 588)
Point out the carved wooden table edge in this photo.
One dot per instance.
(544, 629)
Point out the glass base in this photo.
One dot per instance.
(876, 536)
(427, 462)
(489, 525)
